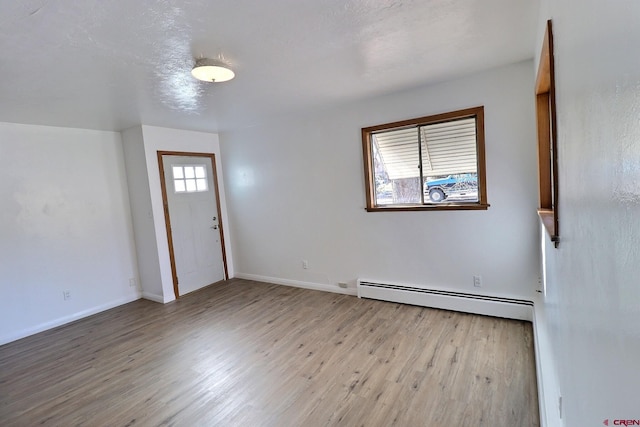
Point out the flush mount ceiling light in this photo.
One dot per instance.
(212, 71)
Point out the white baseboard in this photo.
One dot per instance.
(548, 390)
(66, 319)
(297, 284)
(153, 297)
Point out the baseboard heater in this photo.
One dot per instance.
(509, 308)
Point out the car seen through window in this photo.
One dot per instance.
(459, 186)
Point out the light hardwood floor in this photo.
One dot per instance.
(242, 353)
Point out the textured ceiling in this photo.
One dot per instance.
(115, 64)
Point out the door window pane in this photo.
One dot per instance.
(189, 178)
(191, 185)
(201, 184)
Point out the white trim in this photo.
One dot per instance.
(548, 391)
(297, 284)
(66, 319)
(154, 297)
(547, 375)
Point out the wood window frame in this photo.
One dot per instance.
(547, 138)
(481, 204)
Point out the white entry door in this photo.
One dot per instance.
(194, 220)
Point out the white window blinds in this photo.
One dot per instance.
(447, 148)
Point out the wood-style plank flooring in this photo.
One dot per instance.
(243, 353)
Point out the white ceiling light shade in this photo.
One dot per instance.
(212, 71)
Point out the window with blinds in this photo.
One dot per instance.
(434, 162)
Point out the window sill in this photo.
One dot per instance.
(548, 220)
(440, 207)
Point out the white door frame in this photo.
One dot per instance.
(167, 217)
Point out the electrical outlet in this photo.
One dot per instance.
(343, 285)
(66, 295)
(305, 264)
(477, 281)
(132, 282)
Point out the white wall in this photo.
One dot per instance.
(296, 191)
(65, 224)
(593, 279)
(163, 139)
(142, 214)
